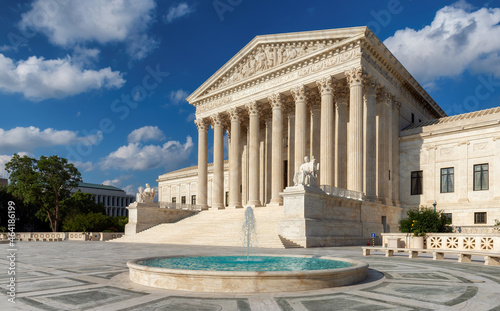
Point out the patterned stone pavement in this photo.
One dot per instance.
(74, 275)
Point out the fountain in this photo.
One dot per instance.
(246, 274)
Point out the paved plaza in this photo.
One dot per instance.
(73, 275)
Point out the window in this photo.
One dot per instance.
(416, 182)
(174, 200)
(412, 118)
(183, 199)
(193, 200)
(480, 218)
(447, 180)
(481, 177)
(227, 198)
(449, 216)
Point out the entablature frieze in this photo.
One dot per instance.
(299, 71)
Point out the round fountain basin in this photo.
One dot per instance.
(234, 274)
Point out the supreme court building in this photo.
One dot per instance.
(341, 97)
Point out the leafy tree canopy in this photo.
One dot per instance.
(421, 221)
(44, 182)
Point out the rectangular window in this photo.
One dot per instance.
(449, 216)
(193, 200)
(412, 118)
(480, 218)
(416, 182)
(447, 180)
(227, 198)
(174, 200)
(481, 177)
(183, 199)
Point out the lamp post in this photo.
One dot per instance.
(434, 204)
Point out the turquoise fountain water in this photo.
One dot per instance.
(246, 274)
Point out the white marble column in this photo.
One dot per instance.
(218, 181)
(253, 155)
(202, 163)
(276, 101)
(315, 136)
(244, 164)
(235, 158)
(262, 168)
(382, 160)
(269, 158)
(291, 146)
(299, 95)
(370, 141)
(355, 141)
(395, 153)
(327, 148)
(341, 93)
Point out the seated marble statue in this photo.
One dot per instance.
(146, 195)
(307, 174)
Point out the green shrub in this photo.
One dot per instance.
(423, 220)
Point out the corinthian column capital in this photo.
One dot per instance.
(234, 114)
(325, 85)
(276, 100)
(202, 124)
(299, 93)
(355, 76)
(253, 108)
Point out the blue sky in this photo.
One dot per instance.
(103, 83)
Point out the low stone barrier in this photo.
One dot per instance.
(61, 236)
(487, 242)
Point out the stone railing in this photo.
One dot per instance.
(476, 229)
(343, 193)
(448, 241)
(181, 206)
(61, 236)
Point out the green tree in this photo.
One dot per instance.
(95, 222)
(44, 182)
(420, 221)
(81, 203)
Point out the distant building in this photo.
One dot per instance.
(4, 181)
(114, 199)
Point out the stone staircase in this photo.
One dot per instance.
(215, 227)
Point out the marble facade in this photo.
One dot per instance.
(338, 96)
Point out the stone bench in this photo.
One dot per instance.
(491, 259)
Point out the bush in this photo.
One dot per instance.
(423, 220)
(96, 222)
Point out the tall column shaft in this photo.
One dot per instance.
(291, 149)
(327, 148)
(355, 141)
(218, 182)
(395, 152)
(341, 92)
(253, 156)
(315, 133)
(370, 145)
(202, 163)
(235, 164)
(300, 144)
(383, 140)
(277, 149)
(269, 159)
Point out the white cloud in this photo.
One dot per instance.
(6, 158)
(82, 55)
(130, 189)
(177, 11)
(29, 138)
(178, 96)
(458, 39)
(83, 166)
(136, 156)
(38, 79)
(146, 133)
(72, 22)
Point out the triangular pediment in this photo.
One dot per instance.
(268, 53)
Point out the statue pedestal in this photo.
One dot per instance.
(313, 218)
(142, 216)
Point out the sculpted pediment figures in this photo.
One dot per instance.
(266, 56)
